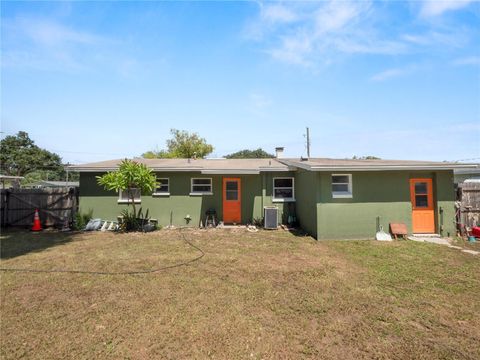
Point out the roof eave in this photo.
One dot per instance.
(194, 169)
(387, 167)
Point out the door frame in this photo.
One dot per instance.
(430, 201)
(224, 196)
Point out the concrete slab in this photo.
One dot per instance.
(473, 252)
(441, 241)
(414, 238)
(430, 239)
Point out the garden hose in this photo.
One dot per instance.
(139, 272)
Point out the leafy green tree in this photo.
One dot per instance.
(368, 157)
(157, 154)
(182, 145)
(19, 156)
(59, 175)
(129, 176)
(250, 154)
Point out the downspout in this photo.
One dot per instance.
(264, 191)
(441, 220)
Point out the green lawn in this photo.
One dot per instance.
(264, 295)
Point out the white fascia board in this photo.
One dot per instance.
(304, 166)
(244, 171)
(386, 168)
(467, 171)
(266, 169)
(83, 169)
(299, 165)
(231, 172)
(163, 169)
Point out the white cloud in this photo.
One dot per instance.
(390, 73)
(41, 43)
(317, 32)
(470, 60)
(259, 103)
(370, 46)
(448, 37)
(335, 16)
(438, 7)
(49, 45)
(53, 34)
(277, 13)
(294, 50)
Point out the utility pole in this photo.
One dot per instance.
(308, 142)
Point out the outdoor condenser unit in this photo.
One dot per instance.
(271, 217)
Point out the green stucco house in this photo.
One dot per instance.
(328, 198)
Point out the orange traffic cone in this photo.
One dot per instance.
(36, 222)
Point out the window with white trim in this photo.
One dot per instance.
(283, 189)
(342, 185)
(163, 186)
(125, 196)
(201, 186)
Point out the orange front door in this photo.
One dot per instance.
(423, 214)
(232, 204)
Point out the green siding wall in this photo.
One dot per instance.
(444, 193)
(174, 208)
(307, 193)
(384, 194)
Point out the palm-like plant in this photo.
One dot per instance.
(129, 176)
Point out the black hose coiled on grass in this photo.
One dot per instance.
(140, 272)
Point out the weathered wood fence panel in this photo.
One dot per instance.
(468, 204)
(56, 206)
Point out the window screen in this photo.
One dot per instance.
(283, 188)
(163, 186)
(202, 185)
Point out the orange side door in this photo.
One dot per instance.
(423, 213)
(232, 203)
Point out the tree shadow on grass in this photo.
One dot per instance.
(17, 242)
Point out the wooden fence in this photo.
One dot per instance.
(56, 206)
(468, 205)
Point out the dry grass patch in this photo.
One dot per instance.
(254, 295)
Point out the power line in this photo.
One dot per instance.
(77, 152)
(88, 153)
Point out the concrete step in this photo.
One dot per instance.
(427, 235)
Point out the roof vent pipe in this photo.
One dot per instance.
(279, 152)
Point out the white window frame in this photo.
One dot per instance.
(292, 199)
(162, 193)
(342, 194)
(123, 201)
(200, 193)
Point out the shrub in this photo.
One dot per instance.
(132, 221)
(258, 222)
(81, 219)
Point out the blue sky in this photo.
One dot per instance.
(102, 80)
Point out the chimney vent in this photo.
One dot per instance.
(279, 152)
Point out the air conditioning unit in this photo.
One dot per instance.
(270, 215)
